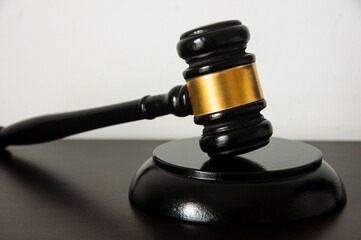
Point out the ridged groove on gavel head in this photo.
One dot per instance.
(234, 131)
(214, 47)
(209, 51)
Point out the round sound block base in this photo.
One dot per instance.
(283, 181)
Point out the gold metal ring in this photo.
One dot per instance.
(224, 89)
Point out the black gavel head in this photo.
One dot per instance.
(224, 89)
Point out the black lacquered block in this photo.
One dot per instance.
(283, 181)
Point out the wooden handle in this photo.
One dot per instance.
(56, 126)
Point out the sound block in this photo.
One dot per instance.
(281, 182)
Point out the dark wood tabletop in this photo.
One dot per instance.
(79, 190)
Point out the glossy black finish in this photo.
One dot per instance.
(55, 126)
(213, 48)
(207, 49)
(78, 189)
(234, 131)
(283, 181)
(280, 159)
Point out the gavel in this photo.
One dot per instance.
(222, 91)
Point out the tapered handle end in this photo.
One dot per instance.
(3, 145)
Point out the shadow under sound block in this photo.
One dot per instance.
(281, 182)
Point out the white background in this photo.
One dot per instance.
(60, 56)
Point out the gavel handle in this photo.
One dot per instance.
(55, 126)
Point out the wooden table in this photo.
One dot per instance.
(79, 190)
